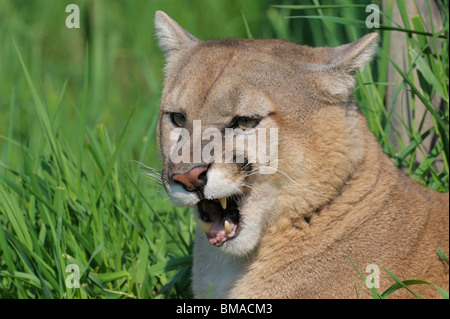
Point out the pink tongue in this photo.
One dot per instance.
(217, 234)
(218, 227)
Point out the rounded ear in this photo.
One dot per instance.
(171, 36)
(336, 78)
(350, 57)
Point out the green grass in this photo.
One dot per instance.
(78, 112)
(399, 284)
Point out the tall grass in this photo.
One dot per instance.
(78, 112)
(87, 209)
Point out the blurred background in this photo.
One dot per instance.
(78, 111)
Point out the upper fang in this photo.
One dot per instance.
(205, 226)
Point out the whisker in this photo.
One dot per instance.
(149, 172)
(142, 166)
(153, 177)
(167, 204)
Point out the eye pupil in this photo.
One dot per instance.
(178, 119)
(246, 122)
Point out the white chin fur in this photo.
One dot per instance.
(244, 243)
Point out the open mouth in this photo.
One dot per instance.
(219, 219)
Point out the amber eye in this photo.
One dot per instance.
(246, 122)
(178, 119)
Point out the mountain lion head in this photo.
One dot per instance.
(286, 107)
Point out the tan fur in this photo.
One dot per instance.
(335, 194)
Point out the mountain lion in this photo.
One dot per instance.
(332, 194)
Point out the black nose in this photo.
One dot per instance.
(192, 180)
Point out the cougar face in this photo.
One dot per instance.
(261, 93)
(232, 198)
(264, 140)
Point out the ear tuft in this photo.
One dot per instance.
(171, 36)
(337, 81)
(355, 55)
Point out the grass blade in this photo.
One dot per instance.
(247, 28)
(111, 276)
(171, 264)
(323, 6)
(428, 74)
(362, 24)
(375, 293)
(402, 284)
(442, 255)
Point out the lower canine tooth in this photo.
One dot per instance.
(205, 226)
(223, 202)
(228, 226)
